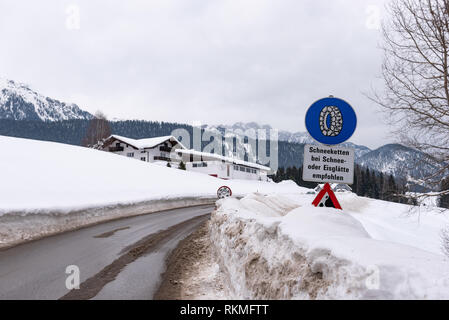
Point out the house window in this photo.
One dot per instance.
(199, 165)
(117, 144)
(242, 169)
(143, 151)
(248, 170)
(130, 154)
(143, 158)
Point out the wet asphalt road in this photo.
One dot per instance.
(37, 270)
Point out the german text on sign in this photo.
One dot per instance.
(328, 164)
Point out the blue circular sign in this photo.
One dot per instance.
(331, 121)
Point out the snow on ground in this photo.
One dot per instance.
(281, 247)
(429, 199)
(83, 186)
(45, 175)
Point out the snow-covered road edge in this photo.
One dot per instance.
(253, 260)
(268, 251)
(18, 227)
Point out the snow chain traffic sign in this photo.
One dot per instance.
(326, 198)
(328, 164)
(330, 121)
(224, 192)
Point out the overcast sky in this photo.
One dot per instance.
(208, 61)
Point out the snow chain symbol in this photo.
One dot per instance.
(335, 124)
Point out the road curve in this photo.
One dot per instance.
(121, 259)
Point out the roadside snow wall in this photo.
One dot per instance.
(18, 227)
(272, 247)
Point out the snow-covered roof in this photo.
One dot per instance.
(227, 159)
(146, 143)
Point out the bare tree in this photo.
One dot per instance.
(416, 75)
(97, 131)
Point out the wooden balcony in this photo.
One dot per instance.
(165, 149)
(115, 149)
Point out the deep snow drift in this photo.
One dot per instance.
(48, 187)
(278, 247)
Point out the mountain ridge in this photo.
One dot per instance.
(19, 102)
(250, 129)
(412, 165)
(401, 161)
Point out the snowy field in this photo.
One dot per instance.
(49, 187)
(281, 247)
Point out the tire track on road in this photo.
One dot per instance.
(92, 286)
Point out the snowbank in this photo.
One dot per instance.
(17, 228)
(269, 252)
(49, 187)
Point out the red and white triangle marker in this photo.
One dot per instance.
(326, 198)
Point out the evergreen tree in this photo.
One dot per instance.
(363, 182)
(182, 166)
(279, 175)
(355, 185)
(391, 189)
(375, 185)
(381, 186)
(368, 183)
(444, 199)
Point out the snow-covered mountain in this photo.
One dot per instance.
(400, 161)
(250, 129)
(19, 102)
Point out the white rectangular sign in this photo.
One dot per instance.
(328, 164)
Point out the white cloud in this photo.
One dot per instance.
(218, 61)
